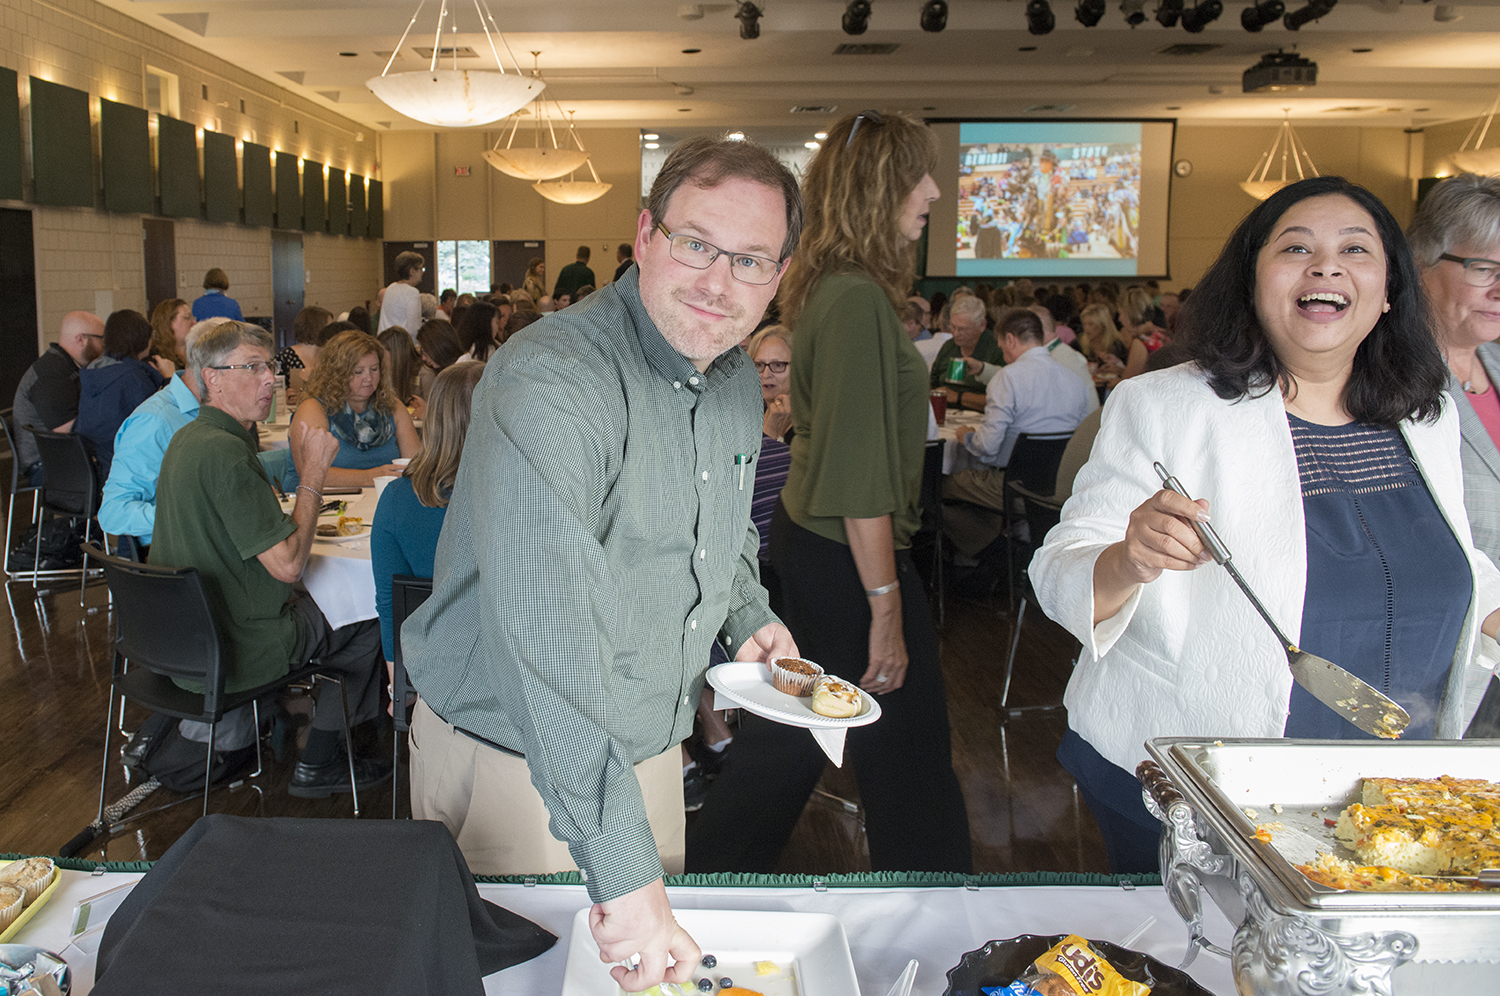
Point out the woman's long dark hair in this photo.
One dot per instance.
(476, 329)
(1398, 372)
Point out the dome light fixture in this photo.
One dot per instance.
(571, 191)
(1477, 159)
(537, 162)
(1286, 144)
(456, 98)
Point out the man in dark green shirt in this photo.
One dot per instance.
(575, 275)
(597, 543)
(216, 511)
(972, 344)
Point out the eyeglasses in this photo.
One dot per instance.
(745, 267)
(1477, 272)
(257, 367)
(777, 367)
(871, 116)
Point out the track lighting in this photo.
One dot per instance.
(1039, 17)
(1089, 12)
(857, 17)
(1167, 13)
(749, 17)
(1258, 16)
(934, 15)
(1134, 11)
(1314, 10)
(1204, 13)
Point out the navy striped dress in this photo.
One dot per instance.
(1388, 586)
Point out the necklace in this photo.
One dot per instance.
(1467, 381)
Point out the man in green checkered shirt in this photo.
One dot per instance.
(597, 542)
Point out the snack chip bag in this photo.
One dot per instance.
(1070, 968)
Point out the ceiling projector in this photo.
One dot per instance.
(1280, 71)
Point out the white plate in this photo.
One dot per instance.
(364, 533)
(810, 948)
(749, 684)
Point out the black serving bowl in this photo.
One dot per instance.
(999, 963)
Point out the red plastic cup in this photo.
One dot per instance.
(939, 400)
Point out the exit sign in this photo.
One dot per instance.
(460, 171)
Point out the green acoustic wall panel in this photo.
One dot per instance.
(338, 203)
(62, 147)
(288, 192)
(260, 205)
(10, 136)
(359, 218)
(125, 155)
(221, 179)
(314, 210)
(177, 168)
(377, 210)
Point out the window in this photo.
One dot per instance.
(463, 265)
(161, 92)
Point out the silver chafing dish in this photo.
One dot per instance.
(1295, 936)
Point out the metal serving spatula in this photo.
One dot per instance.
(1355, 700)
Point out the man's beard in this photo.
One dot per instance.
(692, 338)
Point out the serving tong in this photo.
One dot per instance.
(1356, 700)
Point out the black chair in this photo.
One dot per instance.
(1041, 514)
(1033, 465)
(70, 489)
(19, 488)
(407, 593)
(165, 630)
(930, 535)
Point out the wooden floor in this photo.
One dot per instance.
(54, 680)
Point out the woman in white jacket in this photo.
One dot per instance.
(1313, 427)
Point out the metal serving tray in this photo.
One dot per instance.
(1294, 933)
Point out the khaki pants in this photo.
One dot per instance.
(485, 798)
(970, 530)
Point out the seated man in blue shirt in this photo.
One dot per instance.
(129, 504)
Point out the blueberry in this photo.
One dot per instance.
(725, 982)
(706, 985)
(709, 961)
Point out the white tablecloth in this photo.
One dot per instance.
(955, 456)
(886, 927)
(338, 575)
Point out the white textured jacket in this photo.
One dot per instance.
(1187, 655)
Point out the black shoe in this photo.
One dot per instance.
(319, 781)
(694, 790)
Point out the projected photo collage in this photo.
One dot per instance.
(1049, 200)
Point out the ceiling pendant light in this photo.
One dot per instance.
(1478, 160)
(456, 98)
(1287, 144)
(538, 161)
(571, 191)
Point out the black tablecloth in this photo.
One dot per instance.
(259, 906)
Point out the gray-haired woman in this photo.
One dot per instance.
(1455, 237)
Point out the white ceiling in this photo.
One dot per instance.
(622, 61)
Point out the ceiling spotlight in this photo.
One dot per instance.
(651, 136)
(1312, 12)
(653, 145)
(1167, 13)
(1039, 17)
(857, 17)
(813, 145)
(736, 136)
(1134, 11)
(1266, 12)
(934, 15)
(1203, 13)
(1089, 12)
(820, 136)
(749, 17)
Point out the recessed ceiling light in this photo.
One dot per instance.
(651, 136)
(1174, 107)
(349, 55)
(691, 51)
(736, 136)
(683, 110)
(653, 145)
(1026, 48)
(1361, 51)
(929, 108)
(1419, 110)
(820, 135)
(813, 145)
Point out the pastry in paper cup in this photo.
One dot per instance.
(794, 676)
(11, 902)
(30, 875)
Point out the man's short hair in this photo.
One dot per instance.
(193, 374)
(216, 279)
(914, 312)
(708, 162)
(126, 333)
(625, 251)
(583, 253)
(405, 261)
(214, 344)
(1022, 323)
(968, 308)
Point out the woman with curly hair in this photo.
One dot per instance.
(171, 321)
(841, 533)
(350, 395)
(536, 278)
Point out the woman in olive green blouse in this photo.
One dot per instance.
(840, 535)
